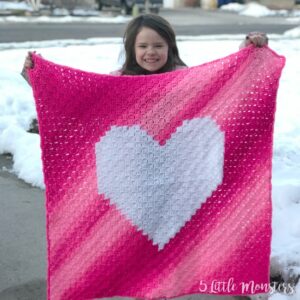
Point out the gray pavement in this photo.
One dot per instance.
(186, 21)
(22, 238)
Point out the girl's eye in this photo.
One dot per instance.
(142, 46)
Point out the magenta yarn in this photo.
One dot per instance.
(158, 186)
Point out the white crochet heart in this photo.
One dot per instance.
(157, 187)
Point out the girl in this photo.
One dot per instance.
(150, 47)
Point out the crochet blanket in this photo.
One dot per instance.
(158, 186)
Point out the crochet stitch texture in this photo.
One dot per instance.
(158, 186)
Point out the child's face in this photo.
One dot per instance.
(151, 50)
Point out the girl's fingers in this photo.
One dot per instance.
(258, 39)
(28, 64)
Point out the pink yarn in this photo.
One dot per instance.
(158, 186)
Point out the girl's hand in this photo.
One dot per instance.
(257, 39)
(28, 64)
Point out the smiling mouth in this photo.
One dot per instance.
(151, 61)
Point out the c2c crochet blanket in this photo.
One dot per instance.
(158, 186)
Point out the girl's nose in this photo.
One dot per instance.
(151, 50)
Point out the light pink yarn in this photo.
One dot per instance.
(158, 186)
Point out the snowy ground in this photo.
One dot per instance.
(102, 55)
(98, 18)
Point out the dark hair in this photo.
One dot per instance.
(164, 29)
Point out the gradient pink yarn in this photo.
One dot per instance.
(158, 186)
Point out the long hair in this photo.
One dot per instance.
(164, 29)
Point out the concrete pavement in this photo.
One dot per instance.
(22, 238)
(186, 21)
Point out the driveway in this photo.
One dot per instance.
(186, 21)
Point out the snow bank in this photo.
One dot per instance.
(285, 259)
(292, 33)
(25, 148)
(253, 9)
(234, 7)
(256, 10)
(294, 296)
(5, 5)
(16, 112)
(65, 19)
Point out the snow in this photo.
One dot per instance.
(256, 10)
(292, 293)
(65, 19)
(60, 12)
(25, 149)
(293, 33)
(102, 55)
(253, 9)
(234, 7)
(5, 5)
